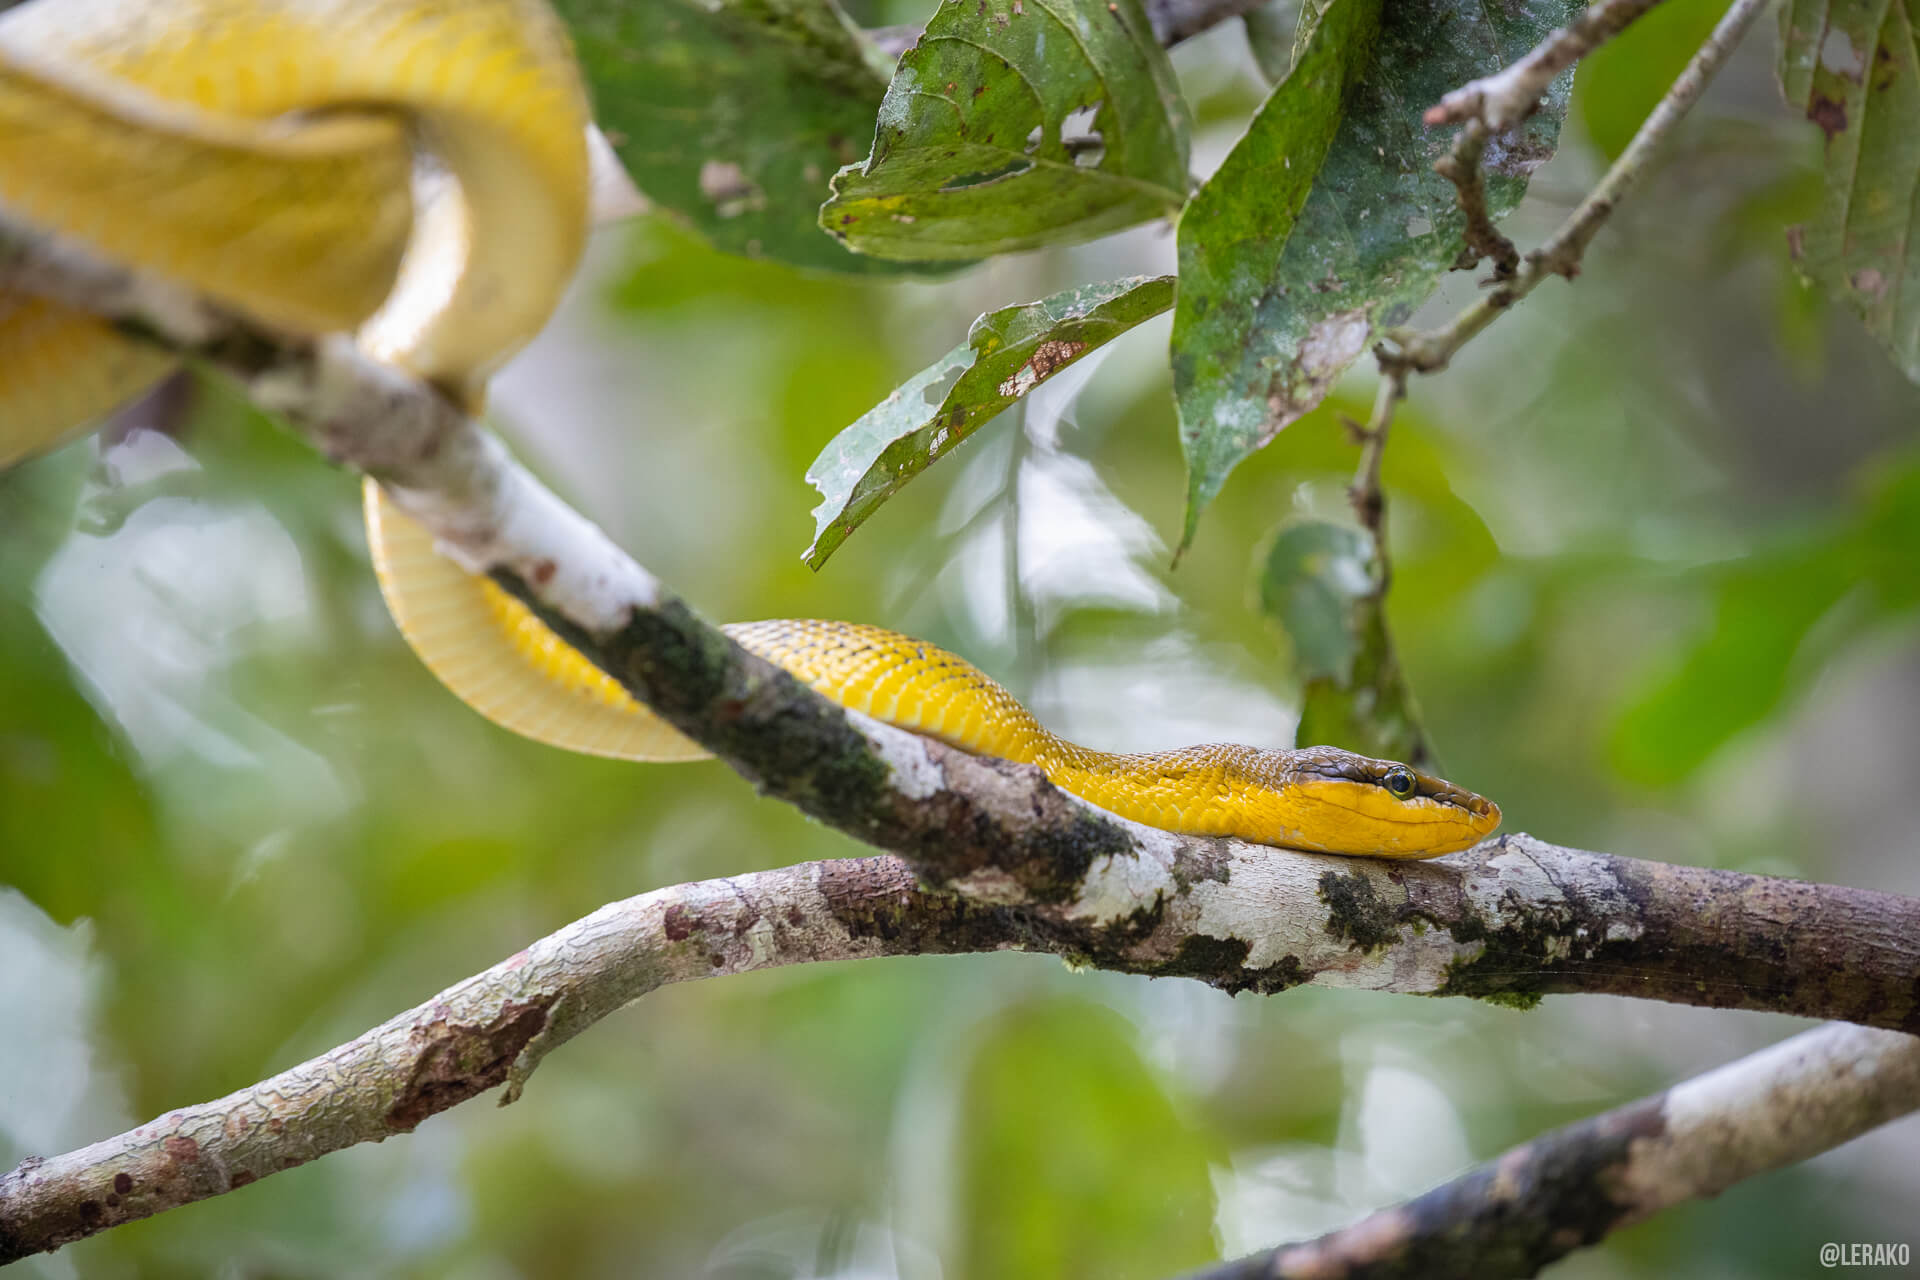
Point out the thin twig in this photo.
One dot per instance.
(1425, 351)
(1369, 501)
(1461, 167)
(1510, 95)
(1567, 1189)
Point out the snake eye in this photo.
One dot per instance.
(1399, 783)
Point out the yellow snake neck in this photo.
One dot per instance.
(1318, 799)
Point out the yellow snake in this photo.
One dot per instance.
(416, 171)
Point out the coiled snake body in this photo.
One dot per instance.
(272, 155)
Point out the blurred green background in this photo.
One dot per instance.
(1655, 542)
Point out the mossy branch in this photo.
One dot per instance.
(1510, 921)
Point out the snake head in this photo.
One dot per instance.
(1355, 804)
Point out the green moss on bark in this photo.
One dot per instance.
(1356, 912)
(1222, 963)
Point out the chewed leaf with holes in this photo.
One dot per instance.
(1327, 219)
(1014, 124)
(1854, 67)
(735, 114)
(1321, 584)
(1007, 353)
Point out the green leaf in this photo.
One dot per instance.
(1889, 537)
(1075, 1162)
(1777, 617)
(734, 114)
(1322, 584)
(1007, 353)
(1737, 670)
(985, 145)
(1313, 578)
(1854, 67)
(53, 747)
(1323, 224)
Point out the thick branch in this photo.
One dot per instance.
(466, 1039)
(1566, 1190)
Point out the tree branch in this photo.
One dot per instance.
(1566, 1190)
(1510, 921)
(1368, 500)
(468, 1038)
(1461, 167)
(1510, 95)
(1426, 351)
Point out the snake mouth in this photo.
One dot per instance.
(1478, 806)
(1345, 766)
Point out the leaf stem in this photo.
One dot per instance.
(1369, 501)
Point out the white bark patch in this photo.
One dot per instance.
(1773, 1108)
(1416, 960)
(763, 943)
(574, 567)
(1120, 884)
(910, 767)
(1511, 877)
(991, 884)
(1518, 879)
(1271, 903)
